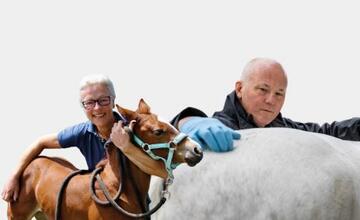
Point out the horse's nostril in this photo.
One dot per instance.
(197, 150)
(193, 158)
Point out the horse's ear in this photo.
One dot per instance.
(128, 114)
(143, 108)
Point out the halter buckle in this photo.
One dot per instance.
(165, 194)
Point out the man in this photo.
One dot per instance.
(97, 97)
(256, 102)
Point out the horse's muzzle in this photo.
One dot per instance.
(194, 156)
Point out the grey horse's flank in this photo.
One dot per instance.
(273, 173)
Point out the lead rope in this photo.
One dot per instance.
(96, 175)
(62, 188)
(164, 194)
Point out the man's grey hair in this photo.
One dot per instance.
(256, 63)
(98, 79)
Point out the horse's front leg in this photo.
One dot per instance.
(20, 211)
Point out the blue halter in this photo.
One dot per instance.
(170, 146)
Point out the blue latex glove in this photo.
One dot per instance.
(210, 133)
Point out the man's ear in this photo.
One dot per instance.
(238, 87)
(128, 114)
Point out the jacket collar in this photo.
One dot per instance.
(234, 110)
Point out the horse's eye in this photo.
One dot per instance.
(158, 132)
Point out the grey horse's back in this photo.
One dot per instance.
(272, 174)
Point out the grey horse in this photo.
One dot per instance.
(273, 173)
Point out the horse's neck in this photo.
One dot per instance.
(134, 176)
(112, 170)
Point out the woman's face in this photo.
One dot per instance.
(98, 105)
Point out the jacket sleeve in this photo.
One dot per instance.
(187, 112)
(230, 122)
(346, 130)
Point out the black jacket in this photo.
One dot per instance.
(234, 116)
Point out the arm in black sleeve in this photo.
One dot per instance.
(187, 112)
(346, 130)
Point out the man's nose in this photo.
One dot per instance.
(270, 99)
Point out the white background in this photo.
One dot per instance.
(172, 53)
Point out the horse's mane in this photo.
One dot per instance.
(105, 160)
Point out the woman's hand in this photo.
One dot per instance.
(120, 137)
(10, 191)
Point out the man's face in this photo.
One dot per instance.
(98, 105)
(262, 94)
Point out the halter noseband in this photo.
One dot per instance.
(169, 145)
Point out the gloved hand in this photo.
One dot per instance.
(210, 133)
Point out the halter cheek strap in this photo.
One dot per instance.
(148, 148)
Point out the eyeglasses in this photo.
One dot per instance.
(90, 104)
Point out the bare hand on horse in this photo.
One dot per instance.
(10, 191)
(120, 137)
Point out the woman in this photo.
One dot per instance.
(97, 97)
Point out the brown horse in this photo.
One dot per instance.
(41, 180)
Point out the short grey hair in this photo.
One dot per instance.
(98, 79)
(259, 62)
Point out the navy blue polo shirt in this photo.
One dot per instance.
(85, 137)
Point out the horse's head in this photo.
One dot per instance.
(160, 139)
